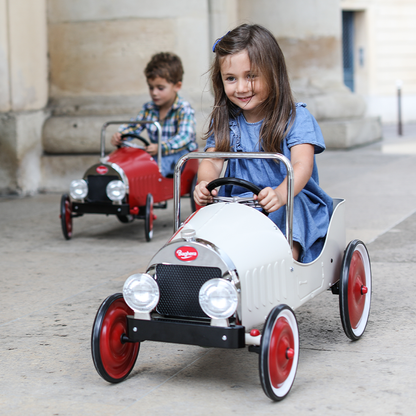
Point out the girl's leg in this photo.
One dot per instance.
(296, 250)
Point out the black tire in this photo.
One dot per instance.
(148, 218)
(113, 359)
(279, 352)
(66, 216)
(125, 219)
(355, 287)
(191, 194)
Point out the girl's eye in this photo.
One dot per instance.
(230, 79)
(161, 88)
(252, 76)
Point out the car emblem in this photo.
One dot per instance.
(186, 253)
(102, 170)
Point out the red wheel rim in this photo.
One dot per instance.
(68, 217)
(282, 344)
(356, 297)
(117, 358)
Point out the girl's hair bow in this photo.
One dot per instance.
(218, 40)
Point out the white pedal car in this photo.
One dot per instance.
(227, 271)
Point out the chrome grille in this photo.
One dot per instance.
(96, 187)
(179, 289)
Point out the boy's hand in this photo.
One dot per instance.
(270, 199)
(152, 149)
(201, 194)
(116, 139)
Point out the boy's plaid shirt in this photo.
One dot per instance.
(178, 127)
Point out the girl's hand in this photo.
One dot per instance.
(270, 199)
(201, 194)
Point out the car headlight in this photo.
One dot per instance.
(78, 189)
(116, 190)
(218, 298)
(141, 292)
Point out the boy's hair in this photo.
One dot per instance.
(266, 58)
(165, 65)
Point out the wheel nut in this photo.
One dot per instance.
(290, 353)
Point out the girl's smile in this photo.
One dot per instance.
(244, 88)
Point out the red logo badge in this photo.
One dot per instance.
(102, 170)
(186, 253)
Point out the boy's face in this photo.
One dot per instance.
(162, 92)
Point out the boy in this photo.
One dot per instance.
(164, 75)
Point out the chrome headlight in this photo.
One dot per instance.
(116, 190)
(218, 298)
(141, 292)
(78, 189)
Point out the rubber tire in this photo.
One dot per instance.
(354, 306)
(112, 358)
(66, 216)
(191, 193)
(125, 219)
(148, 219)
(277, 371)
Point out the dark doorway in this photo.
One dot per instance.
(348, 48)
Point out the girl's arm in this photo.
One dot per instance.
(302, 158)
(209, 169)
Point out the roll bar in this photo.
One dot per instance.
(137, 123)
(232, 155)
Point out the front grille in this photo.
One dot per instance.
(179, 289)
(96, 187)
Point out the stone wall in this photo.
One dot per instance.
(310, 35)
(70, 66)
(23, 93)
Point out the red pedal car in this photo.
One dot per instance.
(127, 183)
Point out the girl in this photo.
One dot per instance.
(254, 111)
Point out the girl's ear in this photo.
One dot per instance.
(177, 86)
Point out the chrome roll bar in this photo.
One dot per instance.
(137, 123)
(232, 155)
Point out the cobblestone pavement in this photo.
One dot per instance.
(51, 289)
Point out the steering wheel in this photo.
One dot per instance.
(241, 200)
(134, 136)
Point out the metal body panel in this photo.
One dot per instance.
(189, 333)
(100, 208)
(255, 246)
(318, 276)
(237, 155)
(140, 173)
(245, 239)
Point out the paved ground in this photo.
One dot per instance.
(51, 289)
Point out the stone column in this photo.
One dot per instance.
(97, 56)
(23, 93)
(310, 35)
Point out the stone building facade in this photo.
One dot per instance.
(67, 67)
(384, 55)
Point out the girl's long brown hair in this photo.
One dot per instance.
(266, 58)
